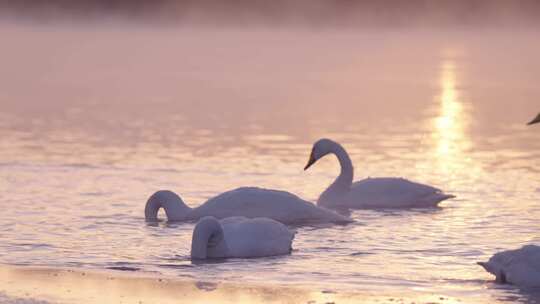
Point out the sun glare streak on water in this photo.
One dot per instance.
(98, 119)
(451, 126)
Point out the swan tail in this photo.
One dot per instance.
(435, 198)
(174, 207)
(339, 218)
(484, 265)
(447, 196)
(207, 233)
(343, 219)
(329, 215)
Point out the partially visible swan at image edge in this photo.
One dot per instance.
(535, 120)
(519, 267)
(240, 237)
(382, 192)
(250, 202)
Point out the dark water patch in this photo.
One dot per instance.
(93, 194)
(359, 253)
(206, 286)
(9, 300)
(124, 268)
(164, 170)
(33, 246)
(96, 217)
(176, 266)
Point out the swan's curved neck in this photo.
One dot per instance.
(174, 207)
(207, 228)
(345, 178)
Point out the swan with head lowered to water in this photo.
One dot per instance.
(386, 192)
(240, 237)
(518, 267)
(250, 202)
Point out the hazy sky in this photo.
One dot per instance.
(310, 12)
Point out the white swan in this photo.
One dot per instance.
(239, 237)
(250, 202)
(535, 120)
(518, 267)
(387, 192)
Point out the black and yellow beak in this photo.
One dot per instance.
(535, 120)
(310, 162)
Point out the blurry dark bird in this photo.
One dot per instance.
(535, 120)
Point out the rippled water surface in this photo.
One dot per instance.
(95, 119)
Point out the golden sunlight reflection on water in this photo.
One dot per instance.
(200, 112)
(452, 142)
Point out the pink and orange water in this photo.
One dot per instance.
(94, 119)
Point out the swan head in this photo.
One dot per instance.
(500, 275)
(535, 120)
(174, 206)
(208, 239)
(320, 148)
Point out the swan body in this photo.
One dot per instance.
(249, 202)
(240, 237)
(385, 192)
(518, 267)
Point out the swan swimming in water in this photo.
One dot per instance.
(386, 192)
(535, 120)
(250, 202)
(239, 237)
(518, 267)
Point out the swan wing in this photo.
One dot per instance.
(255, 202)
(390, 192)
(256, 237)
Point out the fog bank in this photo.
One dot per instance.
(282, 12)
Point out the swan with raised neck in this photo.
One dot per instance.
(324, 147)
(385, 192)
(250, 202)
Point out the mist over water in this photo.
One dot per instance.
(311, 13)
(96, 116)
